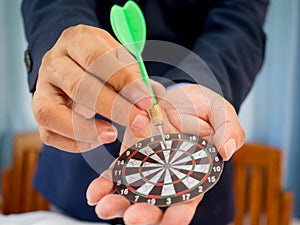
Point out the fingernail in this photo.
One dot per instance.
(91, 204)
(107, 136)
(230, 147)
(140, 121)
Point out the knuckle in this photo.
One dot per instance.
(47, 65)
(69, 32)
(92, 57)
(43, 114)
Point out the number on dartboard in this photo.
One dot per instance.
(151, 201)
(119, 182)
(211, 179)
(216, 168)
(127, 153)
(138, 145)
(186, 197)
(167, 136)
(168, 201)
(124, 191)
(136, 198)
(200, 189)
(217, 159)
(118, 172)
(121, 163)
(193, 138)
(212, 149)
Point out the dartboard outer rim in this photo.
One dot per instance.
(187, 195)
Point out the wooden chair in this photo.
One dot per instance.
(18, 193)
(257, 180)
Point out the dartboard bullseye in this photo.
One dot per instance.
(162, 175)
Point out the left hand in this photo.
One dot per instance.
(191, 109)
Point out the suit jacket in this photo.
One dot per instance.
(226, 34)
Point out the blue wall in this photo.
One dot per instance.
(15, 105)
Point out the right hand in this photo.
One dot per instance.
(88, 72)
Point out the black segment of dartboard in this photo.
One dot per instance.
(163, 175)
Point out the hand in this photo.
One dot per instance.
(189, 109)
(88, 72)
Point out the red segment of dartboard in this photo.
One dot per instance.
(163, 175)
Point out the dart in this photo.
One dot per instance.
(129, 26)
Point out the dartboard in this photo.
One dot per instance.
(163, 174)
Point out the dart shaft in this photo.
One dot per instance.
(145, 76)
(155, 112)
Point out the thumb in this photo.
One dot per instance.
(229, 135)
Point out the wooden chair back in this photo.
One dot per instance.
(17, 191)
(257, 180)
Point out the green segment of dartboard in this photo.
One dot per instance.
(129, 26)
(163, 175)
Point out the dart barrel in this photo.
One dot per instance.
(156, 115)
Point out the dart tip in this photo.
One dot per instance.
(159, 127)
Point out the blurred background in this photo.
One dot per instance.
(270, 113)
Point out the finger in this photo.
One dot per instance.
(97, 50)
(112, 206)
(90, 92)
(143, 213)
(98, 188)
(84, 111)
(69, 124)
(60, 142)
(229, 135)
(181, 214)
(188, 123)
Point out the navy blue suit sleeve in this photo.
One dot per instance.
(45, 20)
(232, 44)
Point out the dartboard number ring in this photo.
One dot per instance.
(163, 175)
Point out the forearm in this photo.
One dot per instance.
(45, 20)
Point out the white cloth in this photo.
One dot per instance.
(42, 218)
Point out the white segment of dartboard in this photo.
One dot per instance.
(176, 156)
(200, 154)
(190, 182)
(149, 164)
(177, 173)
(168, 190)
(186, 145)
(167, 155)
(169, 144)
(182, 161)
(145, 188)
(134, 163)
(182, 167)
(149, 172)
(146, 151)
(156, 177)
(132, 178)
(168, 178)
(204, 168)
